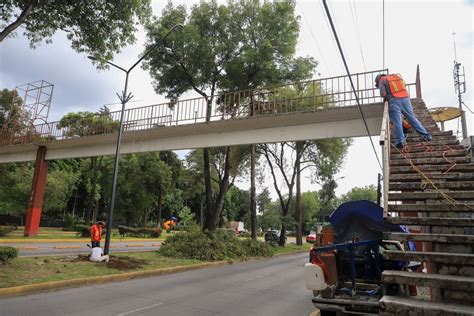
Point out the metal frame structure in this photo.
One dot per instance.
(304, 96)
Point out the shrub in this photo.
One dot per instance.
(7, 253)
(245, 234)
(139, 232)
(5, 230)
(221, 245)
(71, 221)
(83, 230)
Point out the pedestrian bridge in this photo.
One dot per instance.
(315, 109)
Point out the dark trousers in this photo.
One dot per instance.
(95, 244)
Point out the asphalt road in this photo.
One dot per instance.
(58, 249)
(266, 287)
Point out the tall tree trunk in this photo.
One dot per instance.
(213, 216)
(298, 211)
(145, 217)
(253, 197)
(158, 214)
(207, 184)
(91, 199)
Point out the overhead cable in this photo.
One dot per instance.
(315, 41)
(355, 21)
(350, 79)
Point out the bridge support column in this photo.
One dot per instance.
(35, 203)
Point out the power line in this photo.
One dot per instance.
(315, 41)
(350, 79)
(355, 21)
(383, 34)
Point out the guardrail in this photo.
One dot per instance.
(304, 96)
(385, 143)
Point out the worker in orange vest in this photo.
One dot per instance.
(393, 90)
(170, 223)
(96, 233)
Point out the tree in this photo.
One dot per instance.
(217, 50)
(10, 109)
(368, 193)
(98, 28)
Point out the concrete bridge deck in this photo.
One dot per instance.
(291, 126)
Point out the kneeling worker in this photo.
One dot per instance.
(97, 255)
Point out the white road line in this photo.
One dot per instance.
(140, 309)
(257, 277)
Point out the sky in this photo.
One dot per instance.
(416, 33)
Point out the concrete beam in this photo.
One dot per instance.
(330, 123)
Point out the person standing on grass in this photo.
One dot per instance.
(96, 234)
(392, 89)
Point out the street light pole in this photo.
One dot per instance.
(124, 98)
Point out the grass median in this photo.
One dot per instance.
(32, 270)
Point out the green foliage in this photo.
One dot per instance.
(368, 193)
(87, 123)
(8, 253)
(71, 221)
(186, 218)
(10, 104)
(5, 230)
(84, 230)
(139, 232)
(221, 245)
(98, 28)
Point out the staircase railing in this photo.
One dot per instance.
(385, 143)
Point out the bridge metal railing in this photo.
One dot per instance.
(304, 96)
(385, 143)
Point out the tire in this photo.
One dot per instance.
(328, 313)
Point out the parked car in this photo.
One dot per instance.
(273, 235)
(311, 238)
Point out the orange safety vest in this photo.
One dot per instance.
(96, 233)
(397, 86)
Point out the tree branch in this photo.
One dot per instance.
(21, 18)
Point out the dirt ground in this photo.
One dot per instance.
(119, 263)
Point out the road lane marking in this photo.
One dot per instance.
(67, 247)
(28, 248)
(140, 309)
(139, 245)
(257, 277)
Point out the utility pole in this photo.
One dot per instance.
(460, 88)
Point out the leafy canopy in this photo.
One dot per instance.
(98, 28)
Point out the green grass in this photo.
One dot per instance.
(30, 270)
(57, 233)
(291, 248)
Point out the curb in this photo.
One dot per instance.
(56, 285)
(26, 241)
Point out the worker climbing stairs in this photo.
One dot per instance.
(431, 190)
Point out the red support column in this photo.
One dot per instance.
(35, 204)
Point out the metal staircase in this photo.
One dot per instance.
(431, 190)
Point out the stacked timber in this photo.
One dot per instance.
(431, 190)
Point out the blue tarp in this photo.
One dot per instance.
(363, 213)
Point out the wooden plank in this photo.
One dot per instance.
(406, 306)
(431, 208)
(441, 238)
(438, 257)
(458, 195)
(427, 168)
(431, 221)
(461, 185)
(430, 161)
(453, 282)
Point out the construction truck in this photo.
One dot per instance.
(346, 262)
